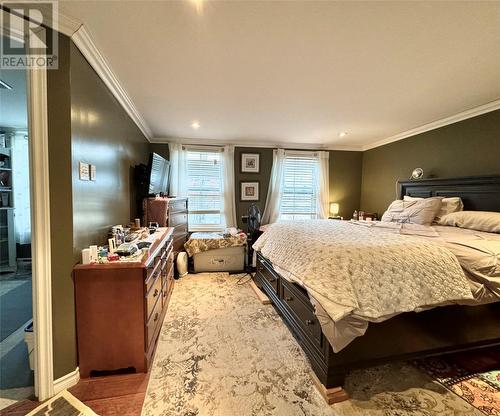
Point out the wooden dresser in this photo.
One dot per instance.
(169, 212)
(120, 308)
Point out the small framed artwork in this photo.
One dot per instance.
(84, 170)
(250, 162)
(249, 191)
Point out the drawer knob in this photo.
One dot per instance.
(155, 294)
(309, 322)
(156, 317)
(288, 298)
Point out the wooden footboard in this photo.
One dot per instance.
(407, 336)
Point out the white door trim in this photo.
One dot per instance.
(40, 220)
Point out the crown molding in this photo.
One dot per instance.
(464, 115)
(67, 25)
(269, 145)
(88, 48)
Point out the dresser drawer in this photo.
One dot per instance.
(154, 321)
(178, 205)
(177, 219)
(180, 229)
(267, 276)
(152, 273)
(294, 301)
(153, 295)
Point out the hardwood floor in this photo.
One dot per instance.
(107, 396)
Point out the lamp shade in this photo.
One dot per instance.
(334, 208)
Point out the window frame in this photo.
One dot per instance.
(206, 227)
(311, 215)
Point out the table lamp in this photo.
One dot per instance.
(334, 210)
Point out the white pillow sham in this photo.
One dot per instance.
(449, 205)
(474, 220)
(420, 211)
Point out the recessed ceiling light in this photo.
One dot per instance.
(343, 134)
(195, 125)
(4, 85)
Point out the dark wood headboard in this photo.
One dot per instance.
(478, 193)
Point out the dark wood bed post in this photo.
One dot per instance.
(406, 336)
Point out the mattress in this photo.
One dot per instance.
(477, 254)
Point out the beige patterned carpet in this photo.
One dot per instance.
(222, 353)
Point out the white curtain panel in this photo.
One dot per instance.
(178, 169)
(21, 185)
(323, 195)
(272, 208)
(229, 202)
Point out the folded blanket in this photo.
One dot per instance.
(199, 242)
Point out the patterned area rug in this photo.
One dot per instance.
(222, 353)
(63, 404)
(474, 376)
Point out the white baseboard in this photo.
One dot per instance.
(67, 381)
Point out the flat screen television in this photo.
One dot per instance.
(159, 174)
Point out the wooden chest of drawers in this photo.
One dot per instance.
(120, 308)
(169, 212)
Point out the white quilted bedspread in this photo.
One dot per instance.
(369, 272)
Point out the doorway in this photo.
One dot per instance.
(16, 288)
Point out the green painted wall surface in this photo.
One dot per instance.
(470, 147)
(266, 164)
(105, 136)
(61, 212)
(87, 124)
(161, 149)
(345, 179)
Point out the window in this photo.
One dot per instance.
(299, 188)
(205, 189)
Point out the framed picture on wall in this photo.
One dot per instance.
(249, 191)
(250, 162)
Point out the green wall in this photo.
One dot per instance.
(266, 164)
(61, 212)
(85, 123)
(103, 135)
(344, 173)
(467, 148)
(345, 178)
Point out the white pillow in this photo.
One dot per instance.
(473, 220)
(420, 211)
(452, 204)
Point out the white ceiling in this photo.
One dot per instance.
(297, 72)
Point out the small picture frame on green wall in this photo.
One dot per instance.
(249, 191)
(250, 163)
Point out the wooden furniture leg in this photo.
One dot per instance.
(332, 394)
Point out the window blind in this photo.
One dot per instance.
(205, 193)
(299, 187)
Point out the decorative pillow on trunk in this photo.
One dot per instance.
(418, 211)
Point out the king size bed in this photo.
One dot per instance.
(359, 294)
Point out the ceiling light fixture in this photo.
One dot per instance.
(195, 125)
(4, 85)
(343, 134)
(198, 4)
